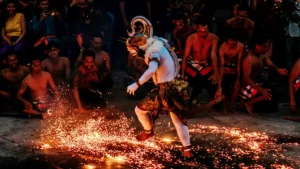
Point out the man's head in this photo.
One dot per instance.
(179, 21)
(53, 50)
(97, 42)
(82, 4)
(232, 36)
(260, 43)
(32, 2)
(88, 58)
(12, 60)
(241, 13)
(202, 26)
(43, 5)
(36, 67)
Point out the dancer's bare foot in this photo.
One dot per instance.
(187, 152)
(45, 115)
(249, 108)
(82, 110)
(146, 134)
(214, 102)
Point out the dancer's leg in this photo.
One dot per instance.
(144, 118)
(182, 130)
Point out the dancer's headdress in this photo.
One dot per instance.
(140, 29)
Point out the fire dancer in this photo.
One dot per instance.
(294, 86)
(253, 91)
(11, 79)
(169, 95)
(199, 64)
(86, 84)
(231, 52)
(37, 83)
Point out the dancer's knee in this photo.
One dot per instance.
(176, 121)
(138, 111)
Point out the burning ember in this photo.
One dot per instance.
(99, 140)
(89, 167)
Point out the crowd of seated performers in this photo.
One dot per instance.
(224, 48)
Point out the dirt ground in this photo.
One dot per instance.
(212, 135)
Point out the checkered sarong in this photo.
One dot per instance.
(248, 92)
(297, 84)
(193, 68)
(230, 68)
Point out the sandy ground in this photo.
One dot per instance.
(19, 135)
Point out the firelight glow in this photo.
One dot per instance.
(101, 140)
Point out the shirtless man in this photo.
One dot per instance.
(230, 53)
(252, 90)
(199, 64)
(58, 67)
(102, 61)
(181, 33)
(244, 25)
(37, 83)
(86, 84)
(294, 86)
(10, 79)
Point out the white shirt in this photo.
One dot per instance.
(166, 69)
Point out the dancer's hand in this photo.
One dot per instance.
(5, 94)
(132, 88)
(265, 93)
(218, 93)
(185, 77)
(214, 78)
(282, 71)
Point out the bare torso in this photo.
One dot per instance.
(15, 77)
(201, 48)
(87, 79)
(257, 64)
(38, 86)
(56, 69)
(100, 58)
(231, 53)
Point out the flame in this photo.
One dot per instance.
(118, 159)
(45, 146)
(167, 140)
(97, 139)
(89, 166)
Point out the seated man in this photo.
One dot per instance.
(231, 52)
(10, 79)
(58, 67)
(37, 83)
(243, 24)
(86, 84)
(199, 64)
(252, 90)
(294, 86)
(102, 61)
(181, 33)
